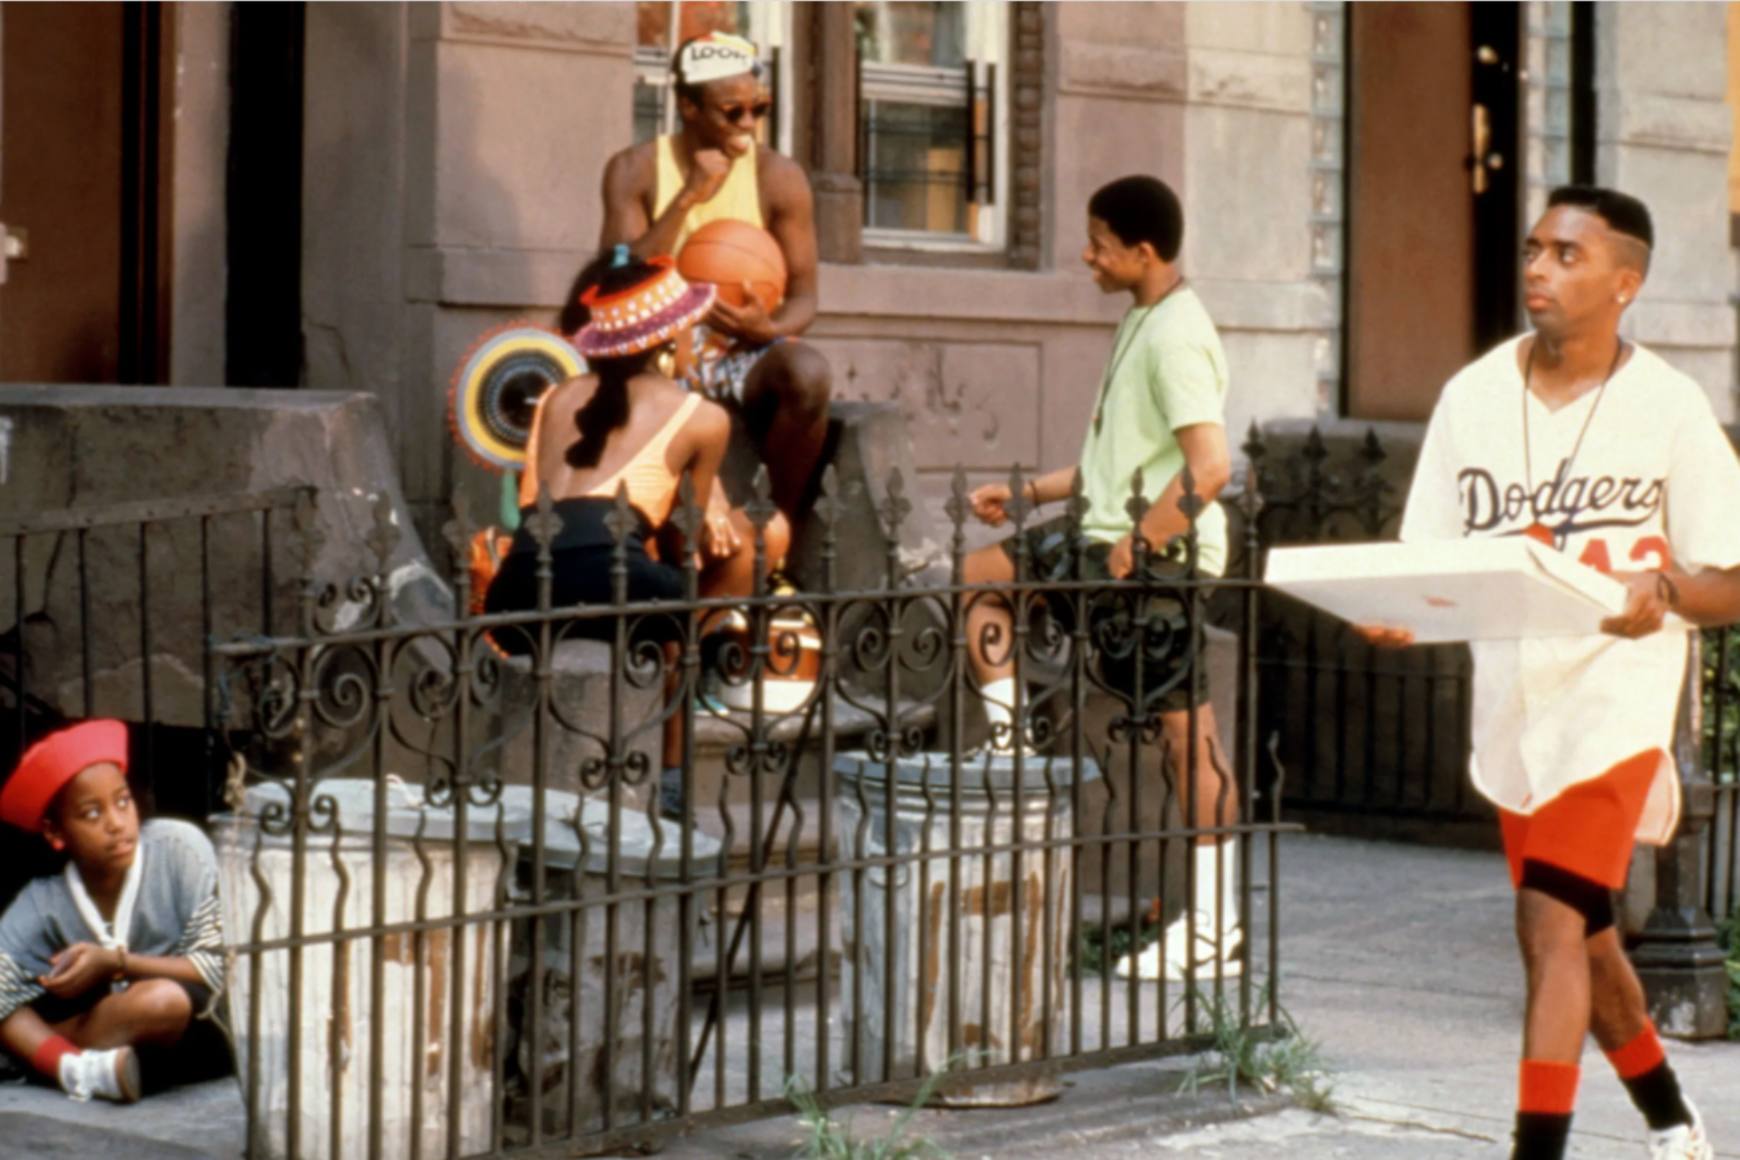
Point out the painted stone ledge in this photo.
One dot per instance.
(90, 447)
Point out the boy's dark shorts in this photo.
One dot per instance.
(202, 1052)
(1122, 624)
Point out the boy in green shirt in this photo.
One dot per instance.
(1160, 407)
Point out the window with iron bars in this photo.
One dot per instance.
(662, 25)
(933, 123)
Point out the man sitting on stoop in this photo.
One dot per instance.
(1160, 409)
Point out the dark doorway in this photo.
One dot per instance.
(1433, 197)
(263, 305)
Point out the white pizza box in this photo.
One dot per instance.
(1453, 590)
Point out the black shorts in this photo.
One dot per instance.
(202, 1053)
(54, 1009)
(581, 559)
(1141, 646)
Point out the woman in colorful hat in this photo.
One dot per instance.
(629, 423)
(119, 959)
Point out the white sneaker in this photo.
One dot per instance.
(1682, 1141)
(103, 1075)
(1174, 957)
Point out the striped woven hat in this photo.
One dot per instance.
(644, 316)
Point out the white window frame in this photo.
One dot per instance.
(987, 35)
(769, 28)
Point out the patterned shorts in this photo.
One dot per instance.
(722, 369)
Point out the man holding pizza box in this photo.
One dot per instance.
(1596, 446)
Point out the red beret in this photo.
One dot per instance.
(48, 765)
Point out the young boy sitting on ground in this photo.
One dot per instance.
(124, 950)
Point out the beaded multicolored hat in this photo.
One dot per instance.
(644, 316)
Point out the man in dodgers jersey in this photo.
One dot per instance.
(1597, 446)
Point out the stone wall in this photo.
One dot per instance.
(472, 137)
(477, 135)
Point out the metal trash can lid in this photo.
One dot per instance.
(350, 803)
(981, 773)
(637, 841)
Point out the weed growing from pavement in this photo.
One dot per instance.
(826, 1140)
(1242, 1054)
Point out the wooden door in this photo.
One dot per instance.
(83, 200)
(1432, 197)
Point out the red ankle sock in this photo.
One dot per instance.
(1546, 1093)
(1642, 1055)
(46, 1059)
(1547, 1088)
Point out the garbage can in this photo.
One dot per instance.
(1012, 942)
(638, 1080)
(328, 1012)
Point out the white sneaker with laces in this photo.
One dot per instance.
(1176, 957)
(103, 1075)
(1682, 1141)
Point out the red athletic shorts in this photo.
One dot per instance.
(1589, 829)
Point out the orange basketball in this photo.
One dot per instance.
(731, 253)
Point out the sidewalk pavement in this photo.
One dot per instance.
(1397, 959)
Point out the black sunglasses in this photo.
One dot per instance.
(735, 113)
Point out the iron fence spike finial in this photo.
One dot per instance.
(1254, 447)
(1017, 506)
(457, 530)
(1371, 450)
(621, 520)
(1316, 451)
(957, 507)
(543, 524)
(1189, 502)
(760, 508)
(383, 537)
(1137, 505)
(827, 505)
(687, 515)
(896, 508)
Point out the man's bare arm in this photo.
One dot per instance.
(1205, 453)
(793, 225)
(628, 187)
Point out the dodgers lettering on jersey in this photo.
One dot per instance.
(1569, 506)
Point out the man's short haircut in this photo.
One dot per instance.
(1141, 209)
(1624, 214)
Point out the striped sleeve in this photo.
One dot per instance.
(17, 987)
(194, 865)
(202, 942)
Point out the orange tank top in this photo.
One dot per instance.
(652, 487)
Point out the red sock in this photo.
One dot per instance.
(46, 1059)
(1546, 1093)
(1547, 1088)
(1642, 1055)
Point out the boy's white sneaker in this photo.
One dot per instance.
(103, 1075)
(1177, 957)
(1682, 1141)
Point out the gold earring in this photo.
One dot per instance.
(666, 363)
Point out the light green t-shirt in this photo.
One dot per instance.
(1168, 371)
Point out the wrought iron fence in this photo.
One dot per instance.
(464, 922)
(1721, 752)
(1375, 740)
(111, 611)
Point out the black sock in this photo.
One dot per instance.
(1541, 1136)
(1657, 1095)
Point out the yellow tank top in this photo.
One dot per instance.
(738, 199)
